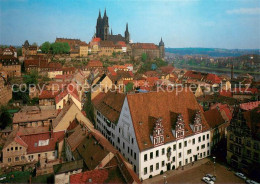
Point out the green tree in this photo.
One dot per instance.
(46, 47)
(129, 86)
(19, 51)
(144, 57)
(32, 78)
(5, 117)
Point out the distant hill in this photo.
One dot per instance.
(213, 52)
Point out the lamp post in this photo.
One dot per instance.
(164, 179)
(214, 166)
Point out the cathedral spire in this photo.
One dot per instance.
(99, 15)
(105, 13)
(111, 32)
(126, 27)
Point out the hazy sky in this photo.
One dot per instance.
(181, 23)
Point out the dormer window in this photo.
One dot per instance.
(197, 125)
(158, 131)
(179, 128)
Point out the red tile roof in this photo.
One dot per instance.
(150, 46)
(162, 104)
(167, 69)
(213, 118)
(94, 64)
(94, 176)
(46, 94)
(122, 43)
(33, 140)
(249, 105)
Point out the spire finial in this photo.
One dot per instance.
(105, 13)
(99, 15)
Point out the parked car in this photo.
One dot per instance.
(211, 177)
(240, 175)
(251, 182)
(207, 180)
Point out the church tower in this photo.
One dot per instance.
(102, 27)
(161, 49)
(105, 26)
(127, 35)
(99, 26)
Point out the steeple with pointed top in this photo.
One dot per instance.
(127, 35)
(161, 49)
(111, 32)
(161, 42)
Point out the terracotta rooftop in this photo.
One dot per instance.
(213, 118)
(249, 105)
(109, 104)
(150, 46)
(34, 115)
(162, 105)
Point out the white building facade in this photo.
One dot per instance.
(160, 154)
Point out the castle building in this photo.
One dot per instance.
(102, 30)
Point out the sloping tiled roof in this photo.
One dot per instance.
(150, 46)
(213, 118)
(249, 105)
(162, 105)
(32, 141)
(94, 64)
(109, 104)
(75, 139)
(30, 116)
(46, 94)
(95, 176)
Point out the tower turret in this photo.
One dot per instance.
(161, 49)
(127, 35)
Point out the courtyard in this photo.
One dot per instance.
(194, 173)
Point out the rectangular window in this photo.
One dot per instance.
(185, 143)
(145, 157)
(157, 153)
(193, 141)
(145, 170)
(173, 159)
(189, 151)
(151, 155)
(199, 139)
(203, 137)
(174, 147)
(198, 148)
(180, 155)
(134, 155)
(163, 163)
(163, 151)
(123, 145)
(157, 166)
(207, 136)
(151, 168)
(203, 146)
(180, 145)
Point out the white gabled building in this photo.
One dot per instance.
(155, 131)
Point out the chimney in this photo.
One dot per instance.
(232, 71)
